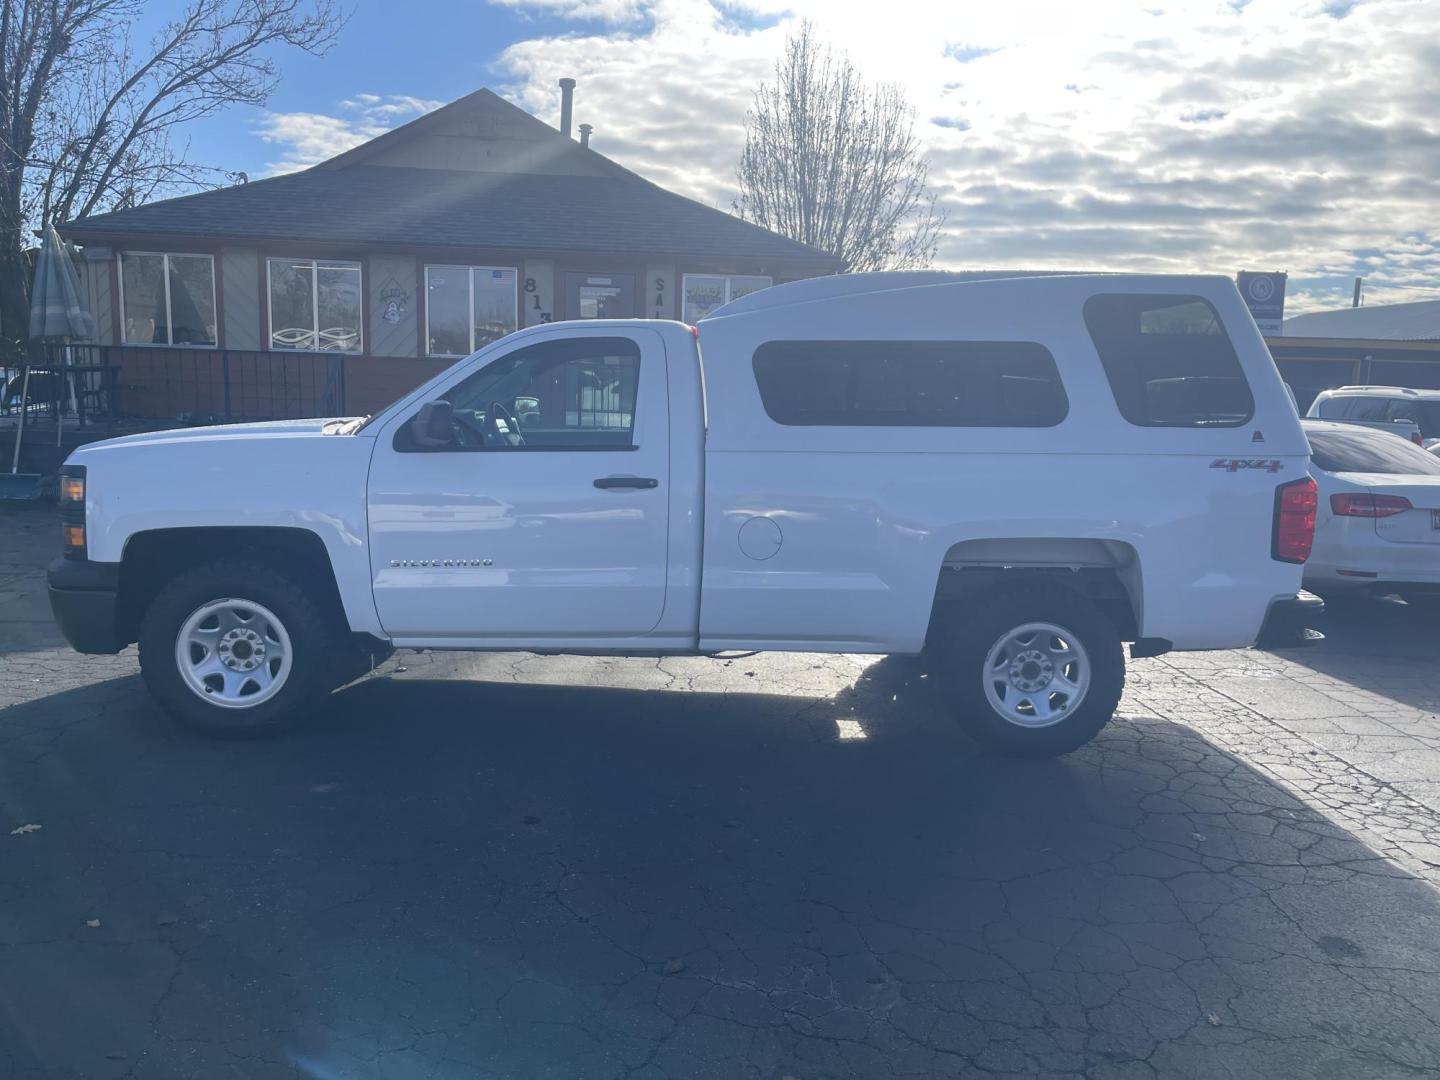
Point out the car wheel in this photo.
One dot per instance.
(1030, 671)
(235, 649)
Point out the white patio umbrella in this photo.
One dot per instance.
(56, 310)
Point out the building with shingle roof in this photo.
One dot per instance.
(366, 274)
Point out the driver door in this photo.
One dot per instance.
(545, 518)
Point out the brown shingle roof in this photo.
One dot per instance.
(386, 205)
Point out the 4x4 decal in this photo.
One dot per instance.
(1232, 464)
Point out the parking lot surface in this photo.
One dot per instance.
(762, 866)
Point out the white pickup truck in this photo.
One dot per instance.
(1013, 474)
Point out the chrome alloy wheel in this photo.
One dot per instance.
(1036, 675)
(233, 653)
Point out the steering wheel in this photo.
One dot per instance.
(493, 435)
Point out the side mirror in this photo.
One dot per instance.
(432, 427)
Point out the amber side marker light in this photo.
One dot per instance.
(72, 510)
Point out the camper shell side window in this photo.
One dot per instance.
(910, 384)
(1169, 360)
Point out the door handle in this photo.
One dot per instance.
(627, 482)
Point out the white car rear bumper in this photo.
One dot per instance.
(1350, 556)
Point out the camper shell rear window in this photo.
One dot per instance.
(910, 384)
(1168, 360)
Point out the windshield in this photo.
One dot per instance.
(1369, 452)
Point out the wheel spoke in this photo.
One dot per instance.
(263, 676)
(1039, 703)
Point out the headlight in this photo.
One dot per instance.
(72, 510)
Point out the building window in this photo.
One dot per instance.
(468, 307)
(910, 384)
(705, 292)
(1168, 360)
(167, 299)
(315, 305)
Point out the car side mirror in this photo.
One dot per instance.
(432, 428)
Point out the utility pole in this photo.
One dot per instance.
(1355, 301)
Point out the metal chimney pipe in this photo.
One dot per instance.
(567, 105)
(585, 130)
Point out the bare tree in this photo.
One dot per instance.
(834, 162)
(86, 119)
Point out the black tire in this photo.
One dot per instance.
(962, 638)
(318, 648)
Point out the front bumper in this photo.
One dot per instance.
(1287, 623)
(84, 597)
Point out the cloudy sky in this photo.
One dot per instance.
(1169, 135)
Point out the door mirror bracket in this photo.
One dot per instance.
(432, 428)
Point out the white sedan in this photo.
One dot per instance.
(1377, 526)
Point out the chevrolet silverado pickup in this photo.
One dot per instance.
(1011, 474)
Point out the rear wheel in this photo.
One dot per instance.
(1030, 671)
(233, 648)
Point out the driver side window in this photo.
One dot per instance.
(563, 394)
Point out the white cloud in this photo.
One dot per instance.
(1201, 135)
(305, 139)
(607, 11)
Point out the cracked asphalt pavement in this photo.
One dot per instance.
(768, 867)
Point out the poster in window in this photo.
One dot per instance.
(703, 294)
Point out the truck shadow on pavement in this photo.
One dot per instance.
(1382, 646)
(462, 879)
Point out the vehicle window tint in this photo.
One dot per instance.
(1370, 452)
(1424, 414)
(568, 394)
(1169, 361)
(1429, 419)
(910, 383)
(1356, 408)
(1403, 410)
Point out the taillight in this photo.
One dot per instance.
(1417, 438)
(1294, 531)
(1363, 504)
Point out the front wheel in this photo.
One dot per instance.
(1031, 671)
(234, 649)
